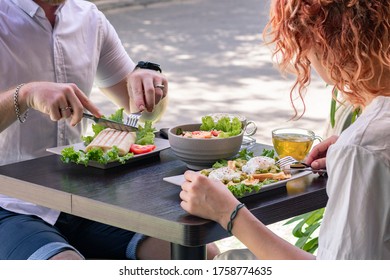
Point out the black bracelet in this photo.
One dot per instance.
(148, 65)
(233, 216)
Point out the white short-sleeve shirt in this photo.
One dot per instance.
(81, 48)
(356, 222)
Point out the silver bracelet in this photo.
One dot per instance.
(16, 104)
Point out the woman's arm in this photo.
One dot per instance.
(212, 200)
(261, 241)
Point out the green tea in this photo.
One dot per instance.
(295, 145)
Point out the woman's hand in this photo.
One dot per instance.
(317, 157)
(58, 100)
(207, 198)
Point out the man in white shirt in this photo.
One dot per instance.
(52, 51)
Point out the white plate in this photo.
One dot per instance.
(179, 180)
(161, 144)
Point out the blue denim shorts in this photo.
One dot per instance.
(25, 237)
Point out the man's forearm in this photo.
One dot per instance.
(7, 109)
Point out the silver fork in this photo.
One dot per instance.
(285, 161)
(289, 163)
(132, 119)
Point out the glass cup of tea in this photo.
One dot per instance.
(295, 142)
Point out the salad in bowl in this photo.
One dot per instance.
(200, 145)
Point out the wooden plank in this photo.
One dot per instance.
(127, 219)
(35, 193)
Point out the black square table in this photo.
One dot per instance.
(135, 197)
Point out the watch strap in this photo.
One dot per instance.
(148, 65)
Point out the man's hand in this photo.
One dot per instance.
(146, 89)
(317, 157)
(58, 100)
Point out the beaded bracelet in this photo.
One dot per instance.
(233, 216)
(16, 104)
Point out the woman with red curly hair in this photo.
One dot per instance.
(347, 43)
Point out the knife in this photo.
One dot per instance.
(110, 123)
(304, 169)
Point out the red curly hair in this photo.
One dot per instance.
(350, 38)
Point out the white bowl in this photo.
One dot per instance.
(202, 153)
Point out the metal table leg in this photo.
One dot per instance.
(180, 252)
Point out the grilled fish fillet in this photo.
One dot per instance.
(109, 137)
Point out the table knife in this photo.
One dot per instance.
(304, 169)
(110, 123)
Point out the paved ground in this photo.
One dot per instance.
(212, 54)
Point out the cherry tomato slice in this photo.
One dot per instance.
(215, 133)
(141, 149)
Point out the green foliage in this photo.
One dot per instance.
(307, 224)
(333, 109)
(355, 114)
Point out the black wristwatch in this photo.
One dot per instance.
(148, 65)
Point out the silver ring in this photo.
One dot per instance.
(159, 86)
(66, 108)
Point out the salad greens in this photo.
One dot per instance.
(69, 154)
(144, 136)
(228, 127)
(269, 153)
(239, 190)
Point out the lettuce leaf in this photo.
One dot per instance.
(117, 116)
(245, 154)
(228, 127)
(268, 153)
(240, 189)
(69, 154)
(207, 123)
(145, 135)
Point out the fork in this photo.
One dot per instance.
(288, 160)
(289, 163)
(132, 119)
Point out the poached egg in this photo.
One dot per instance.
(258, 163)
(224, 174)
